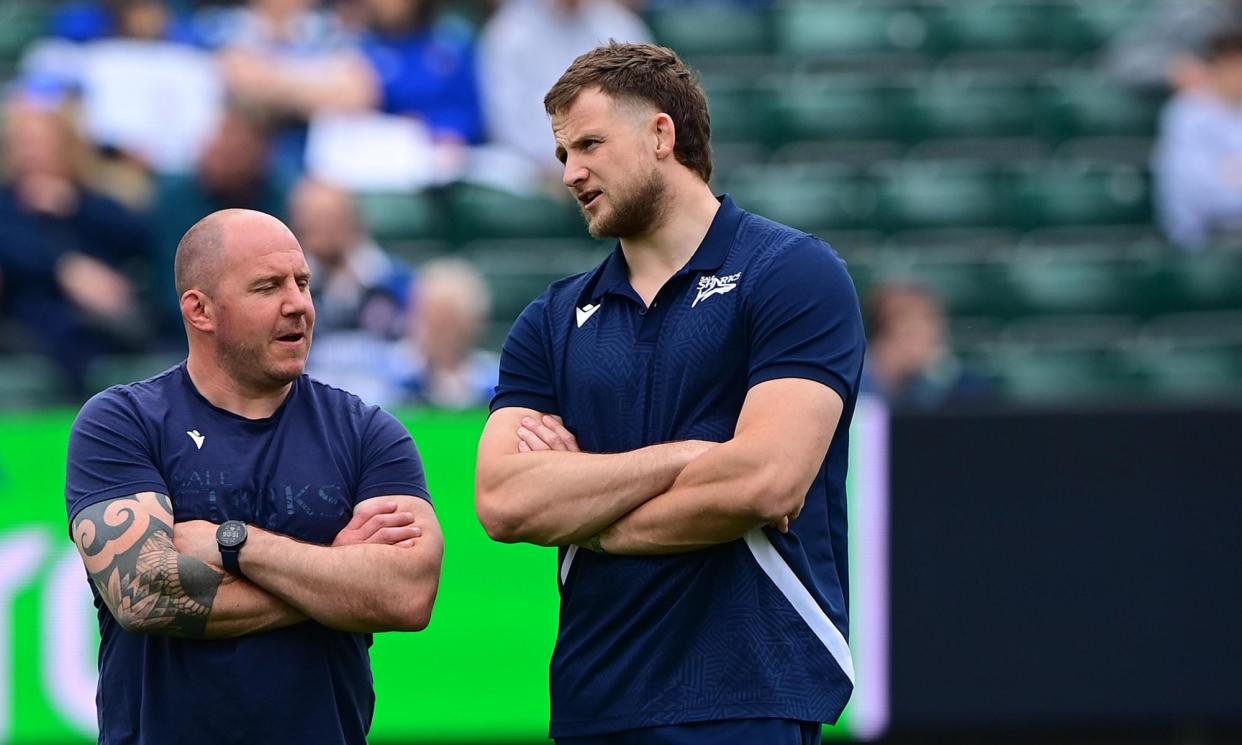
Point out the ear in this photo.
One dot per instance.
(665, 136)
(198, 311)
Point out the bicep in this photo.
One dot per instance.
(789, 423)
(500, 433)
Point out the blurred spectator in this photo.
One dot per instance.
(909, 362)
(231, 171)
(426, 69)
(1198, 158)
(1168, 46)
(450, 309)
(523, 49)
(64, 250)
(290, 61)
(148, 100)
(437, 363)
(356, 285)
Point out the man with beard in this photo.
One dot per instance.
(245, 528)
(681, 412)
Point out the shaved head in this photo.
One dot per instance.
(201, 252)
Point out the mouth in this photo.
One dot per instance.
(293, 337)
(589, 199)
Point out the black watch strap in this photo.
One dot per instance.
(231, 559)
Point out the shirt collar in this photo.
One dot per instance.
(614, 275)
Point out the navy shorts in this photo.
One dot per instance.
(727, 732)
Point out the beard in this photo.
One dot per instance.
(633, 213)
(252, 365)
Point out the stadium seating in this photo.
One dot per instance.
(403, 216)
(28, 380)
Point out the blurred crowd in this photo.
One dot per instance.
(132, 119)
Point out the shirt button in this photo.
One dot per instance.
(642, 312)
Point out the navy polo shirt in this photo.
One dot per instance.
(754, 628)
(299, 472)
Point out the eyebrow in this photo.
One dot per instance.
(577, 142)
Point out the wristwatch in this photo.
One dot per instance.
(230, 537)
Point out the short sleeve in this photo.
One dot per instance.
(525, 369)
(110, 454)
(390, 461)
(804, 319)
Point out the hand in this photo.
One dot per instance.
(197, 539)
(94, 286)
(379, 522)
(548, 433)
(783, 524)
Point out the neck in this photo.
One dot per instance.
(230, 394)
(689, 210)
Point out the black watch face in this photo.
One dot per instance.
(231, 534)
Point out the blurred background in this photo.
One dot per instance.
(1040, 202)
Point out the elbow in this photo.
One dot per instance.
(770, 498)
(501, 523)
(412, 611)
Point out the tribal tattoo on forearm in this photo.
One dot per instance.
(127, 546)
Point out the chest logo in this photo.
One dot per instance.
(197, 438)
(586, 311)
(709, 286)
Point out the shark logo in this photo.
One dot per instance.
(709, 286)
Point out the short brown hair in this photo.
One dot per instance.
(651, 74)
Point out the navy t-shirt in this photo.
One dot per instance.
(299, 473)
(754, 628)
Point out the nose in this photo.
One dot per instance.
(296, 301)
(574, 173)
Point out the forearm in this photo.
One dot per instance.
(555, 498)
(242, 608)
(362, 588)
(715, 500)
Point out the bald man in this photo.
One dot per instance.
(245, 528)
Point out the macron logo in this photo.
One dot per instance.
(197, 438)
(586, 311)
(709, 286)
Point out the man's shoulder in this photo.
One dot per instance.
(137, 399)
(763, 240)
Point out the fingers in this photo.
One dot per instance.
(394, 536)
(555, 424)
(368, 511)
(781, 525)
(549, 433)
(523, 447)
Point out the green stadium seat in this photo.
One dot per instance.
(855, 153)
(826, 107)
(813, 27)
(483, 213)
(1068, 358)
(116, 369)
(403, 216)
(732, 102)
(1085, 25)
(30, 381)
(806, 196)
(989, 25)
(1192, 355)
(995, 150)
(1081, 193)
(1075, 105)
(712, 29)
(964, 105)
(1200, 281)
(971, 281)
(414, 253)
(1079, 279)
(1134, 151)
(915, 194)
(517, 271)
(21, 22)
